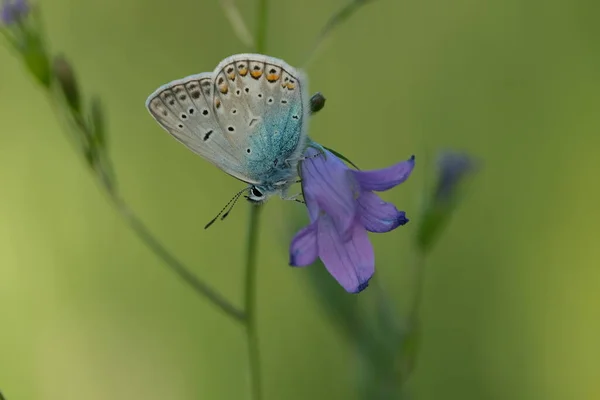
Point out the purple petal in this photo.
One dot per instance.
(387, 178)
(312, 206)
(351, 262)
(303, 249)
(378, 216)
(327, 184)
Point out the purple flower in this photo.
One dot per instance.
(342, 208)
(11, 11)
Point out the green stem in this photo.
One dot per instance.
(414, 322)
(251, 249)
(333, 22)
(172, 263)
(250, 303)
(418, 278)
(261, 26)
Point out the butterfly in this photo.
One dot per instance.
(248, 117)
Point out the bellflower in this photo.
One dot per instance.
(342, 208)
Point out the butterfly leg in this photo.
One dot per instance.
(302, 158)
(295, 198)
(319, 148)
(314, 145)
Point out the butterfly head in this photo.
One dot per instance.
(257, 194)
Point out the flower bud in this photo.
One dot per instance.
(317, 102)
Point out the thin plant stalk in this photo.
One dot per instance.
(336, 19)
(252, 241)
(237, 22)
(250, 303)
(174, 265)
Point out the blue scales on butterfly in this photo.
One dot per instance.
(249, 117)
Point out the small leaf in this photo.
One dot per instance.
(97, 122)
(36, 60)
(432, 224)
(68, 83)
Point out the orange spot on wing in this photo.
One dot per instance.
(272, 77)
(223, 89)
(243, 71)
(256, 74)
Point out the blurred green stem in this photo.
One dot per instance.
(418, 276)
(251, 249)
(413, 334)
(261, 26)
(173, 263)
(336, 19)
(237, 22)
(250, 302)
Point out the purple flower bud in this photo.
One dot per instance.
(11, 11)
(452, 169)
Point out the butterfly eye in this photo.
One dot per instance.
(255, 192)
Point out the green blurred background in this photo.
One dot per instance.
(511, 306)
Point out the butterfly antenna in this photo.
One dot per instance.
(237, 197)
(233, 200)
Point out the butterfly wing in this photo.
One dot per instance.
(184, 108)
(261, 105)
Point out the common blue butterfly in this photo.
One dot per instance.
(248, 117)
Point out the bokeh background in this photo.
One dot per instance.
(511, 296)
